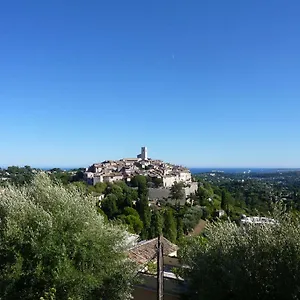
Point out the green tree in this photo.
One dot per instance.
(158, 182)
(20, 176)
(109, 205)
(256, 262)
(60, 175)
(177, 191)
(142, 206)
(137, 180)
(130, 195)
(126, 195)
(79, 176)
(131, 217)
(100, 187)
(140, 182)
(180, 230)
(135, 225)
(225, 201)
(202, 194)
(50, 295)
(80, 185)
(206, 213)
(53, 237)
(170, 229)
(156, 224)
(130, 211)
(115, 190)
(191, 218)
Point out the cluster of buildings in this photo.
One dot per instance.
(126, 168)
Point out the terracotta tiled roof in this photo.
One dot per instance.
(146, 250)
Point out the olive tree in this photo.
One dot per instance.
(253, 262)
(52, 237)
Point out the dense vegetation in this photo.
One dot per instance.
(249, 194)
(126, 204)
(130, 205)
(63, 238)
(53, 241)
(236, 194)
(256, 262)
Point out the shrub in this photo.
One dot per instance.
(257, 262)
(53, 237)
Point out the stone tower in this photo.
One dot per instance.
(144, 153)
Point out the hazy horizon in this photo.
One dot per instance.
(189, 167)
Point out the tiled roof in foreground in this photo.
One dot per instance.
(144, 251)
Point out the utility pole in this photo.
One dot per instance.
(160, 269)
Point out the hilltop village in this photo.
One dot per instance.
(125, 169)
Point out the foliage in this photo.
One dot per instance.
(180, 230)
(53, 237)
(225, 201)
(130, 211)
(142, 205)
(140, 182)
(60, 175)
(20, 176)
(154, 182)
(100, 187)
(252, 192)
(156, 224)
(135, 225)
(129, 204)
(126, 195)
(191, 218)
(170, 229)
(50, 295)
(176, 191)
(109, 205)
(132, 219)
(81, 186)
(256, 262)
(144, 211)
(152, 267)
(203, 194)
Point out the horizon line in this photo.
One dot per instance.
(189, 167)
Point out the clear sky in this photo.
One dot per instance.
(201, 83)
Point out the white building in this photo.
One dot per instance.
(169, 180)
(112, 177)
(185, 176)
(257, 220)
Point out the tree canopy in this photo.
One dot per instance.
(170, 229)
(52, 238)
(176, 191)
(19, 176)
(225, 200)
(254, 262)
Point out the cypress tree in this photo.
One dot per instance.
(156, 224)
(170, 230)
(224, 200)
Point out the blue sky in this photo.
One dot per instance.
(201, 83)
